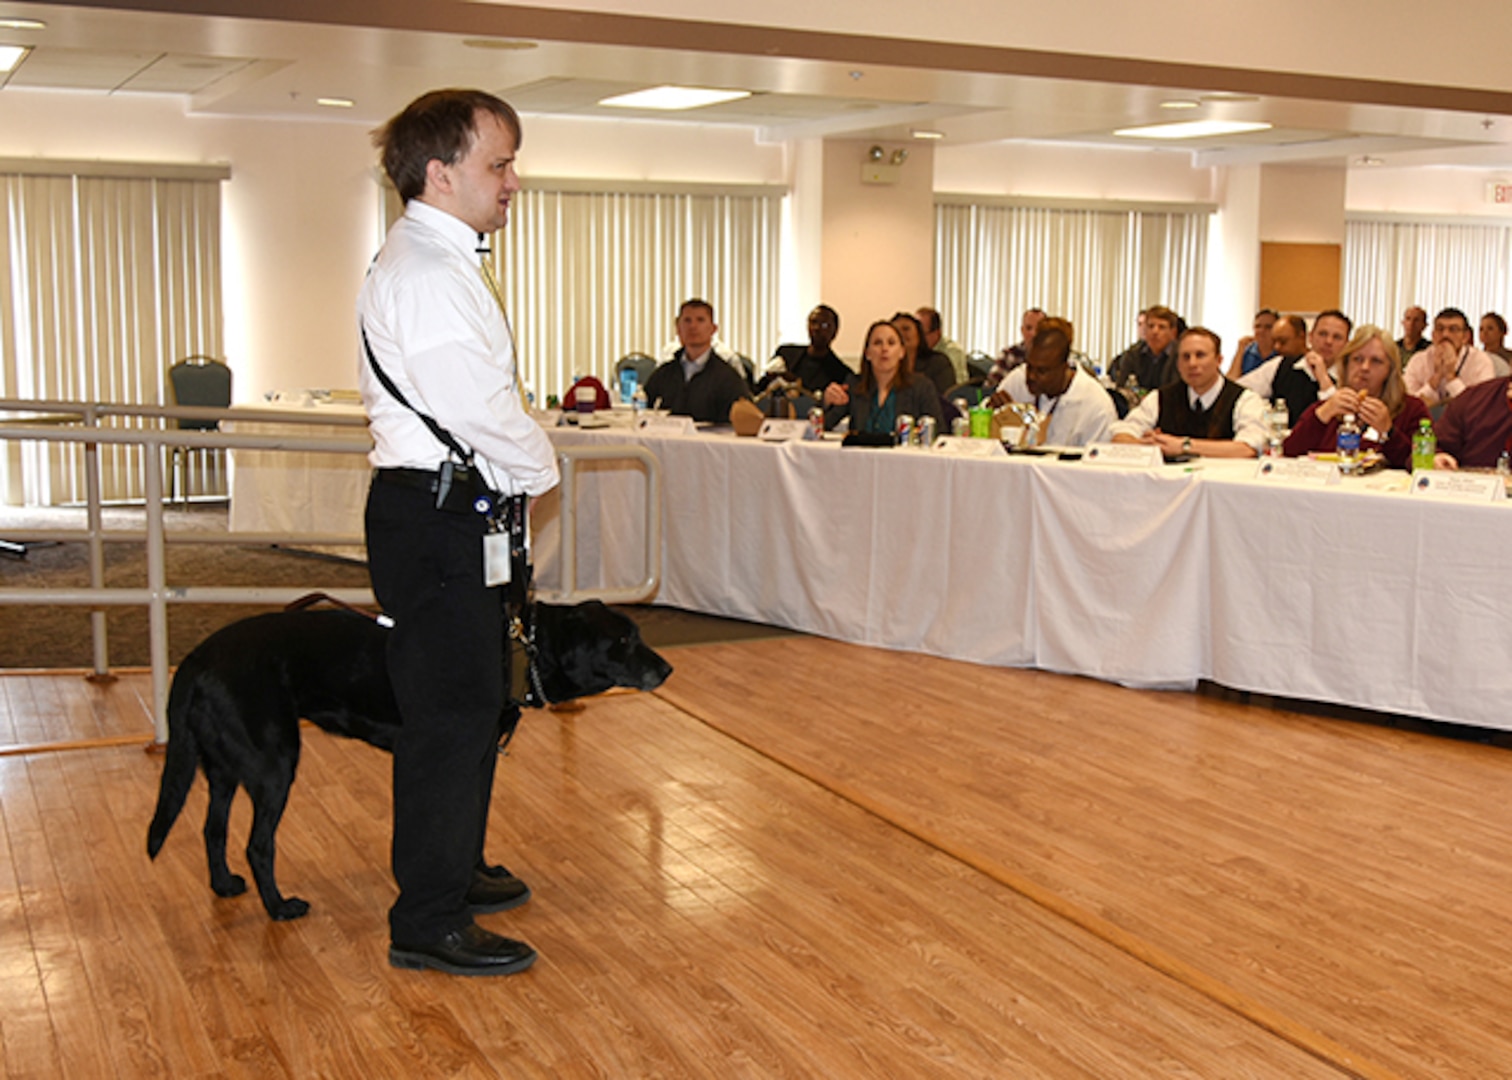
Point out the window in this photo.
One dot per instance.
(105, 281)
(591, 275)
(1098, 267)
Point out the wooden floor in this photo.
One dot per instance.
(801, 859)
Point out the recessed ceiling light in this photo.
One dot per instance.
(335, 102)
(1229, 98)
(10, 55)
(1368, 160)
(1191, 129)
(673, 98)
(504, 44)
(926, 133)
(22, 24)
(1181, 103)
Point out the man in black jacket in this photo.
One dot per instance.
(696, 382)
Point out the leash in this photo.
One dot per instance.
(309, 600)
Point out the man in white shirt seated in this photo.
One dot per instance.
(1203, 414)
(1298, 375)
(1074, 408)
(1444, 369)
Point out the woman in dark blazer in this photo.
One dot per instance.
(886, 389)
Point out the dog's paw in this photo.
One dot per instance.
(230, 885)
(291, 908)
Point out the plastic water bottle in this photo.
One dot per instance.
(638, 400)
(1349, 445)
(629, 384)
(1424, 446)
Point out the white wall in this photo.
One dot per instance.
(1071, 172)
(301, 211)
(1429, 190)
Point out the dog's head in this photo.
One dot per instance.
(587, 648)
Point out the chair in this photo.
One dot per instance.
(979, 366)
(200, 381)
(747, 368)
(973, 393)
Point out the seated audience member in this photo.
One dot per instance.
(1201, 413)
(1330, 333)
(921, 358)
(1413, 339)
(1476, 428)
(934, 337)
(1447, 367)
(1014, 355)
(696, 382)
(1493, 334)
(1256, 348)
(815, 365)
(1074, 407)
(1296, 374)
(1152, 362)
(1372, 389)
(886, 389)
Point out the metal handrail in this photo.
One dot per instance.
(158, 594)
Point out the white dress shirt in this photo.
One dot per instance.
(441, 338)
(1249, 415)
(1263, 379)
(1081, 415)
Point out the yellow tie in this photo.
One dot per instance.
(486, 265)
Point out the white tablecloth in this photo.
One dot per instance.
(1355, 595)
(294, 491)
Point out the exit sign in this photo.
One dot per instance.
(1499, 192)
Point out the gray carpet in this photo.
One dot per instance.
(59, 636)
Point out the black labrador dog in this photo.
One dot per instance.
(237, 699)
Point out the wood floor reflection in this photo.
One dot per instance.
(798, 858)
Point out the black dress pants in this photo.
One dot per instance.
(448, 662)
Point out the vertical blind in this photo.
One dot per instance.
(1098, 268)
(590, 276)
(104, 282)
(1391, 265)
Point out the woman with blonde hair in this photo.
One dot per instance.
(1372, 389)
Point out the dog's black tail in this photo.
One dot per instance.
(180, 762)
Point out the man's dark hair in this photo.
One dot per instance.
(696, 302)
(438, 126)
(1297, 323)
(1453, 313)
(1052, 339)
(1165, 315)
(931, 319)
(831, 312)
(1267, 311)
(1335, 313)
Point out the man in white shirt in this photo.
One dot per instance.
(1204, 414)
(1298, 375)
(1074, 408)
(434, 333)
(1444, 369)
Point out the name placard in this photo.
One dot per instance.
(666, 425)
(775, 430)
(965, 446)
(1297, 472)
(1458, 486)
(1124, 455)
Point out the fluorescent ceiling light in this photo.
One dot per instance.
(926, 133)
(22, 24)
(671, 98)
(10, 56)
(335, 102)
(1191, 129)
(1181, 103)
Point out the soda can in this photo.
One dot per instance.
(816, 423)
(925, 430)
(960, 427)
(905, 429)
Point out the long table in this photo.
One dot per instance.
(1360, 594)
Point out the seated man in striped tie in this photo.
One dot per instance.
(1202, 413)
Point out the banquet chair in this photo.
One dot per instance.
(978, 367)
(200, 381)
(640, 363)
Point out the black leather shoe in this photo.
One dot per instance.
(471, 950)
(495, 891)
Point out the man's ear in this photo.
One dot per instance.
(437, 176)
